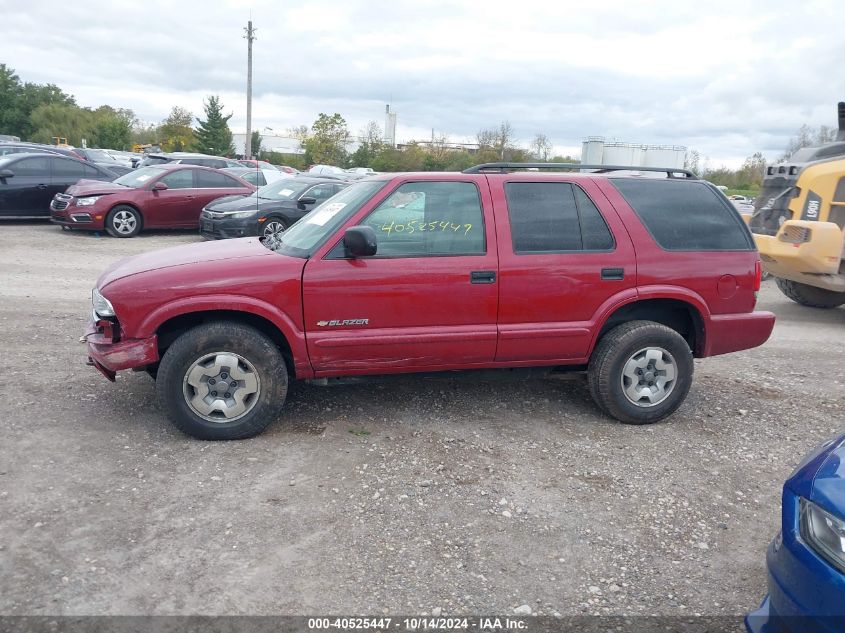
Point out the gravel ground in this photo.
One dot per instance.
(471, 494)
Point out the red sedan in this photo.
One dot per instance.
(169, 196)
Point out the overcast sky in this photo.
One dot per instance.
(725, 78)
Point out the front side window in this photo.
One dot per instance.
(320, 192)
(552, 217)
(429, 218)
(181, 179)
(35, 166)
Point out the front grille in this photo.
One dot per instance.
(61, 201)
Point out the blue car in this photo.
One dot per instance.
(806, 560)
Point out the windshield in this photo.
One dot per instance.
(139, 177)
(287, 189)
(304, 237)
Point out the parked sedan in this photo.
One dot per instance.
(29, 181)
(166, 196)
(806, 560)
(268, 211)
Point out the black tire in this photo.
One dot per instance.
(810, 295)
(621, 344)
(271, 222)
(123, 221)
(213, 339)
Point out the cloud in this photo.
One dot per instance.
(737, 78)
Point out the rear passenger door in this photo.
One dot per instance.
(561, 262)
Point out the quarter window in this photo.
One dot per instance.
(685, 216)
(551, 217)
(429, 218)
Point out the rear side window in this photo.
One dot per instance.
(685, 216)
(215, 180)
(67, 168)
(552, 217)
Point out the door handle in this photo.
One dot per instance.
(482, 277)
(612, 274)
(42, 186)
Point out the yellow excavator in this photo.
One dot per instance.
(799, 223)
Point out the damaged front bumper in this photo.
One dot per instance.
(110, 356)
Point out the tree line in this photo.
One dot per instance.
(38, 113)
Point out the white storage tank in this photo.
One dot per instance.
(665, 156)
(592, 150)
(623, 154)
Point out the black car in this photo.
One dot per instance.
(268, 211)
(28, 182)
(28, 148)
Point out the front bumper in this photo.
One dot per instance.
(226, 228)
(110, 357)
(77, 217)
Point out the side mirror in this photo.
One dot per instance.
(360, 241)
(160, 186)
(305, 201)
(6, 173)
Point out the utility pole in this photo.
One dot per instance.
(250, 36)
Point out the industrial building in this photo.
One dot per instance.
(595, 150)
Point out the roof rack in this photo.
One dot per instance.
(671, 172)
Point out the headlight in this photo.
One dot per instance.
(87, 201)
(824, 533)
(240, 214)
(102, 306)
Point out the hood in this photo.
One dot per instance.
(93, 187)
(184, 255)
(821, 476)
(247, 203)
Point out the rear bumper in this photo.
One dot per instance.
(735, 332)
(109, 357)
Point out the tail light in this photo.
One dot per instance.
(758, 275)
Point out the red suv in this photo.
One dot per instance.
(169, 196)
(627, 277)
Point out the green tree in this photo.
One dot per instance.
(328, 140)
(256, 142)
(112, 128)
(371, 141)
(213, 135)
(175, 133)
(61, 120)
(19, 100)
